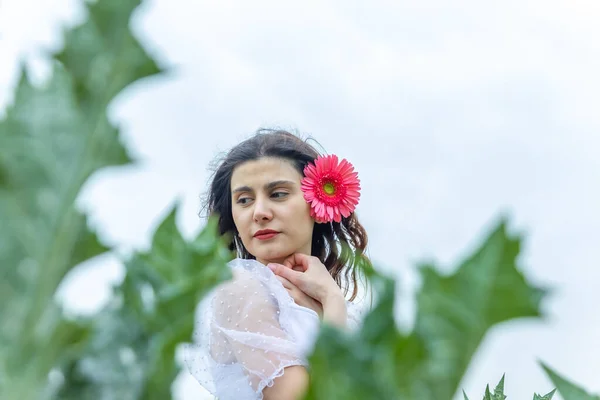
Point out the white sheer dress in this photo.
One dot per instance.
(247, 330)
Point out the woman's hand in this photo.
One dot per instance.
(308, 274)
(301, 298)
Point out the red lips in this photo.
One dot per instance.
(264, 234)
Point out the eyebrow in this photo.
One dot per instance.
(268, 186)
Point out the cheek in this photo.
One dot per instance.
(238, 221)
(305, 212)
(303, 219)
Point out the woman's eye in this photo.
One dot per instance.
(279, 194)
(242, 200)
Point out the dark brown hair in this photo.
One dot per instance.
(339, 246)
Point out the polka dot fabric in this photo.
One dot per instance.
(248, 330)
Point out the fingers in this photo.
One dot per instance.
(300, 297)
(297, 261)
(296, 294)
(285, 272)
(286, 284)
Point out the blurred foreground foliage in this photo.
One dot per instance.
(55, 136)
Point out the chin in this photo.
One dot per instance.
(273, 256)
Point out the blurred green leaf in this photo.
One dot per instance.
(53, 139)
(453, 315)
(568, 390)
(362, 365)
(455, 312)
(103, 58)
(132, 352)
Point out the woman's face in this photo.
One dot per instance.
(266, 196)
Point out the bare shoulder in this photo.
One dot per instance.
(289, 386)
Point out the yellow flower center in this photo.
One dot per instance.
(329, 188)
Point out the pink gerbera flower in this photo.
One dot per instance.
(332, 188)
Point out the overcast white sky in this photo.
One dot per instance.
(452, 114)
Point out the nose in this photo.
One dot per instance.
(262, 211)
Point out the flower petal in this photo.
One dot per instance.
(343, 188)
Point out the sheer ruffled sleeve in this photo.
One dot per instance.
(244, 336)
(356, 313)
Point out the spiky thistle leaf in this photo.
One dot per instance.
(547, 396)
(568, 390)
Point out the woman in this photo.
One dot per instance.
(289, 212)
